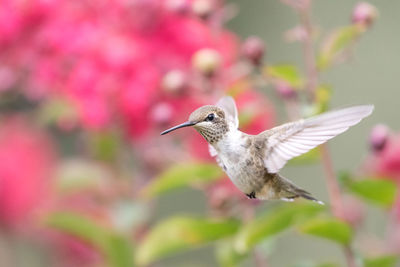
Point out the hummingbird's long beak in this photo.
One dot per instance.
(185, 124)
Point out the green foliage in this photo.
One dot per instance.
(276, 220)
(115, 248)
(312, 264)
(227, 255)
(81, 174)
(181, 233)
(377, 190)
(329, 228)
(336, 43)
(56, 109)
(287, 73)
(183, 175)
(105, 145)
(382, 261)
(322, 98)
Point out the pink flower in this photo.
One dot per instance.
(386, 163)
(223, 193)
(26, 163)
(253, 49)
(364, 14)
(378, 137)
(111, 58)
(255, 111)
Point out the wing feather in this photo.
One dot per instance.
(293, 139)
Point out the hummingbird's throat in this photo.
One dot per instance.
(213, 135)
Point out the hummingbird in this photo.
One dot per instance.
(252, 162)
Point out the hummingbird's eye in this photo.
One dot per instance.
(210, 117)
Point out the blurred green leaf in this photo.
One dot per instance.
(116, 249)
(322, 98)
(78, 174)
(287, 73)
(56, 109)
(182, 233)
(105, 145)
(227, 256)
(275, 221)
(312, 264)
(378, 190)
(311, 156)
(382, 261)
(329, 228)
(336, 43)
(183, 175)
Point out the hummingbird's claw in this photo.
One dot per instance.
(252, 195)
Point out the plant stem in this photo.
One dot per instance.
(350, 259)
(332, 185)
(309, 56)
(311, 86)
(259, 260)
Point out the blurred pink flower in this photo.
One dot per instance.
(386, 163)
(26, 163)
(223, 194)
(253, 49)
(364, 14)
(109, 58)
(378, 137)
(256, 112)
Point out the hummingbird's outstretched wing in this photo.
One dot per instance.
(295, 138)
(227, 104)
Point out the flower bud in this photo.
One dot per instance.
(174, 81)
(285, 90)
(253, 49)
(296, 34)
(177, 6)
(161, 113)
(202, 8)
(378, 137)
(207, 61)
(364, 14)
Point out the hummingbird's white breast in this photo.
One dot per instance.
(232, 154)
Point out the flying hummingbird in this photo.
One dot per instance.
(252, 162)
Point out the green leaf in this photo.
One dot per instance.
(329, 228)
(57, 109)
(183, 175)
(382, 261)
(105, 145)
(226, 254)
(322, 98)
(377, 190)
(79, 174)
(181, 233)
(335, 44)
(312, 264)
(116, 249)
(287, 73)
(276, 220)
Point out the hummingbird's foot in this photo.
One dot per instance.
(251, 195)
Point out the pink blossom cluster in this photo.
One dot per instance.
(385, 159)
(27, 161)
(140, 65)
(120, 61)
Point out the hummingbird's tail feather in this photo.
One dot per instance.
(288, 191)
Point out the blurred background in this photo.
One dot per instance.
(86, 87)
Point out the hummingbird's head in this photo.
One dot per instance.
(208, 120)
